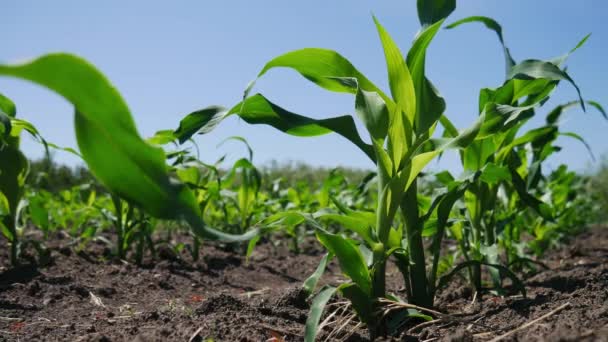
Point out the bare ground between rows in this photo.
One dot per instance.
(87, 297)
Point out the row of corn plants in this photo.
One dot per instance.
(501, 162)
(503, 196)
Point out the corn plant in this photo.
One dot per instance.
(13, 172)
(502, 156)
(400, 127)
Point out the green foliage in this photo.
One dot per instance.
(502, 213)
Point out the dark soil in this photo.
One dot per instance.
(90, 297)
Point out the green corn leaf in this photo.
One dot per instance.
(534, 69)
(372, 111)
(520, 186)
(492, 173)
(310, 284)
(494, 26)
(599, 107)
(395, 237)
(444, 177)
(475, 156)
(581, 140)
(7, 106)
(561, 59)
(400, 80)
(258, 110)
(351, 260)
(110, 143)
(462, 140)
(316, 311)
(106, 133)
(162, 137)
(501, 117)
(38, 213)
(429, 103)
(444, 208)
(502, 95)
(539, 137)
(359, 225)
(201, 121)
(5, 209)
(323, 67)
(555, 114)
(432, 11)
(536, 91)
(242, 140)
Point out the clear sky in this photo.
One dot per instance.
(169, 58)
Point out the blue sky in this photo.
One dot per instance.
(171, 58)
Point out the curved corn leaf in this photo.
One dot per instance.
(110, 143)
(310, 284)
(258, 110)
(432, 11)
(244, 141)
(359, 225)
(581, 140)
(538, 136)
(554, 115)
(543, 209)
(494, 26)
(325, 68)
(7, 106)
(535, 69)
(501, 117)
(351, 260)
(316, 311)
(162, 137)
(201, 121)
(561, 59)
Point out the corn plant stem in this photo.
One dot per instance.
(119, 226)
(14, 246)
(382, 228)
(477, 229)
(9, 223)
(413, 229)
